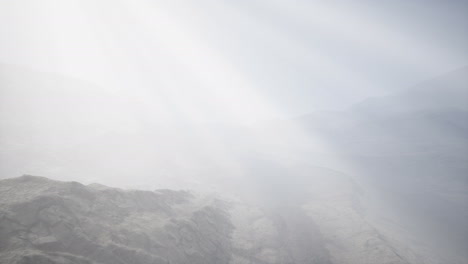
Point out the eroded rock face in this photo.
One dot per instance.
(56, 222)
(46, 221)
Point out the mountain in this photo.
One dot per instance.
(412, 148)
(383, 182)
(447, 91)
(44, 116)
(47, 221)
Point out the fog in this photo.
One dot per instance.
(274, 103)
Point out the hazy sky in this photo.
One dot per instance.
(86, 84)
(241, 60)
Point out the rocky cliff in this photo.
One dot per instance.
(47, 221)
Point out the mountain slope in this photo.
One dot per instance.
(412, 148)
(46, 221)
(104, 225)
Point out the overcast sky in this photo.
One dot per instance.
(240, 60)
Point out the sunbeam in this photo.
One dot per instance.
(233, 132)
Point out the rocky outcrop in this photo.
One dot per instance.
(46, 221)
(49, 221)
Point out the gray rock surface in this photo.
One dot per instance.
(67, 222)
(47, 221)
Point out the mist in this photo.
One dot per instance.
(343, 121)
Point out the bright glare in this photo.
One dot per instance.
(242, 98)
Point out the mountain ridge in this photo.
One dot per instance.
(47, 221)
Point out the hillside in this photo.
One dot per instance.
(47, 221)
